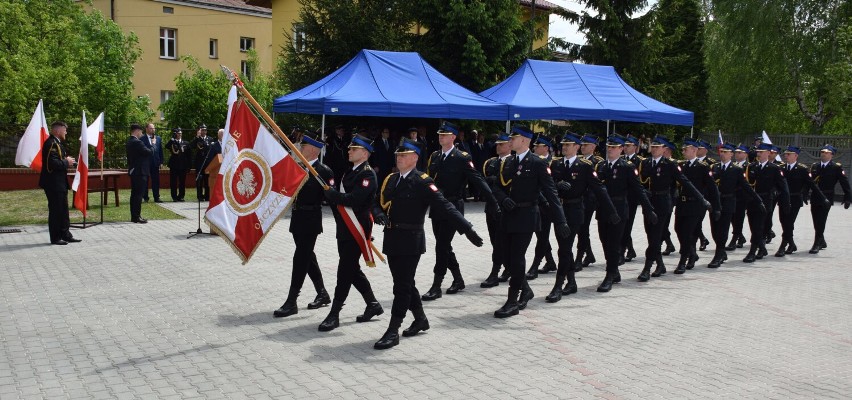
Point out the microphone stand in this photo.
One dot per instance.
(198, 176)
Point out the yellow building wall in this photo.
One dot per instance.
(195, 27)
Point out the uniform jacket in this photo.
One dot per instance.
(200, 145)
(156, 150)
(583, 178)
(800, 184)
(698, 173)
(731, 183)
(491, 168)
(54, 169)
(635, 160)
(359, 192)
(827, 178)
(178, 154)
(523, 182)
(620, 181)
(769, 182)
(306, 216)
(138, 157)
(382, 160)
(452, 175)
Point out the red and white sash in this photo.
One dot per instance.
(357, 231)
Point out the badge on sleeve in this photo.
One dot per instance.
(331, 182)
(471, 164)
(635, 172)
(595, 174)
(365, 183)
(433, 187)
(548, 171)
(782, 172)
(679, 169)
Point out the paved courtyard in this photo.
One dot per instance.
(139, 311)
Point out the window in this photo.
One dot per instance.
(168, 43)
(214, 48)
(245, 69)
(165, 95)
(246, 44)
(299, 38)
(168, 10)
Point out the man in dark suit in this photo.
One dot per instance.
(54, 180)
(414, 135)
(690, 208)
(153, 142)
(178, 164)
(827, 174)
(584, 245)
(799, 182)
(382, 159)
(738, 219)
(490, 170)
(523, 177)
(631, 146)
(138, 167)
(335, 152)
(201, 146)
(768, 181)
(405, 196)
(306, 225)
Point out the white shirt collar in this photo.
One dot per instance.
(522, 155)
(354, 167)
(657, 160)
(313, 161)
(403, 176)
(572, 159)
(447, 153)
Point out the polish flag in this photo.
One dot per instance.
(29, 148)
(95, 136)
(81, 177)
(768, 141)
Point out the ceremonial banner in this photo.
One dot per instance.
(95, 137)
(256, 181)
(768, 141)
(81, 177)
(29, 148)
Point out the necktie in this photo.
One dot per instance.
(444, 157)
(653, 163)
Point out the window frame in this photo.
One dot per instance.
(164, 39)
(165, 95)
(246, 43)
(213, 48)
(299, 37)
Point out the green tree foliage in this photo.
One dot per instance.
(200, 97)
(779, 65)
(72, 59)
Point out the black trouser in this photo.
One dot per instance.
(154, 178)
(819, 213)
(495, 236)
(574, 216)
(584, 242)
(138, 188)
(515, 250)
(738, 219)
(304, 264)
(719, 229)
(756, 219)
(663, 208)
(349, 273)
(202, 186)
(177, 182)
(58, 223)
(542, 237)
(788, 222)
(686, 230)
(405, 295)
(445, 258)
(770, 211)
(627, 236)
(611, 235)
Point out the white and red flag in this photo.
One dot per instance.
(256, 181)
(95, 133)
(81, 177)
(29, 148)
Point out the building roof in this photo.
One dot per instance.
(539, 4)
(229, 5)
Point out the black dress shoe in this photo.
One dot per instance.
(669, 250)
(433, 294)
(690, 264)
(555, 294)
(456, 287)
(645, 275)
(750, 257)
(716, 262)
(321, 300)
(59, 242)
(791, 248)
(330, 322)
(590, 259)
(631, 254)
(489, 282)
(732, 245)
(606, 285)
(704, 244)
(761, 253)
(73, 240)
(157, 201)
(740, 242)
(139, 220)
(578, 266)
(526, 296)
(373, 309)
(417, 326)
(388, 340)
(822, 244)
(621, 260)
(286, 310)
(815, 249)
(659, 271)
(570, 288)
(616, 277)
(145, 199)
(532, 274)
(504, 277)
(509, 309)
(549, 267)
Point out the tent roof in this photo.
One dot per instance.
(390, 84)
(559, 90)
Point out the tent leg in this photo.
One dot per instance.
(607, 128)
(322, 129)
(507, 127)
(691, 131)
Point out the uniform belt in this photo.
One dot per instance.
(688, 198)
(526, 204)
(404, 227)
(617, 198)
(662, 193)
(307, 208)
(575, 200)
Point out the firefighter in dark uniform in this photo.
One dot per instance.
(690, 208)
(490, 169)
(574, 176)
(667, 234)
(738, 219)
(201, 145)
(55, 163)
(543, 250)
(306, 225)
(584, 244)
(451, 169)
(521, 179)
(799, 182)
(660, 175)
(404, 198)
(826, 174)
(701, 154)
(619, 177)
(178, 164)
(357, 194)
(767, 227)
(767, 179)
(335, 152)
(631, 146)
(731, 182)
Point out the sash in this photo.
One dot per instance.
(357, 231)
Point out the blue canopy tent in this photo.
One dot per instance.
(390, 84)
(559, 90)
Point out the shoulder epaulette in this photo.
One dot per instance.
(424, 175)
(542, 157)
(629, 163)
(838, 164)
(464, 153)
(584, 161)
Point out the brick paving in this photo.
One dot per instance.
(139, 311)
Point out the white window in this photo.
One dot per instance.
(214, 48)
(168, 43)
(165, 95)
(246, 44)
(245, 70)
(299, 38)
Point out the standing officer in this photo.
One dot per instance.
(335, 152)
(201, 146)
(619, 177)
(767, 178)
(584, 245)
(631, 146)
(574, 175)
(660, 175)
(731, 182)
(404, 198)
(138, 164)
(800, 184)
(490, 170)
(826, 173)
(521, 179)
(178, 164)
(738, 219)
(691, 209)
(382, 160)
(451, 169)
(54, 180)
(355, 198)
(153, 142)
(543, 250)
(306, 225)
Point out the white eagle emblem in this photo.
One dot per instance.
(246, 185)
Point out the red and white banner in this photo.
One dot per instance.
(29, 148)
(95, 137)
(357, 230)
(256, 181)
(81, 177)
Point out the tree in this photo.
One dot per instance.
(72, 59)
(200, 97)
